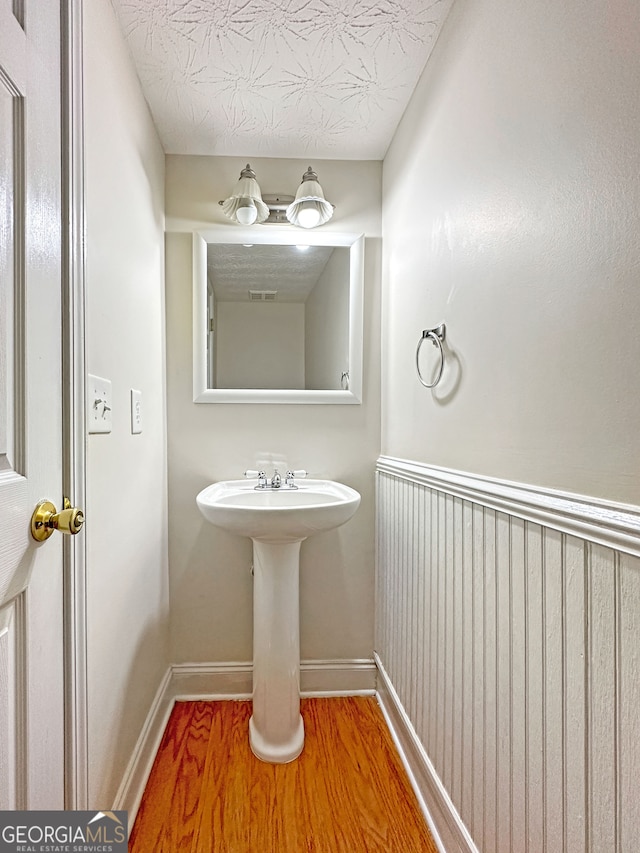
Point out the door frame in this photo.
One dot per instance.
(76, 781)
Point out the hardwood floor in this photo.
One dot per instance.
(346, 793)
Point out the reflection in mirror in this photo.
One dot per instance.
(276, 321)
(278, 316)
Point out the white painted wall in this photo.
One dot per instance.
(511, 208)
(127, 589)
(512, 213)
(327, 324)
(211, 587)
(260, 345)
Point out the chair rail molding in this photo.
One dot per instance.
(607, 523)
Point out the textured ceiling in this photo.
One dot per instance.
(234, 270)
(280, 78)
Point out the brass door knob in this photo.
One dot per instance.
(46, 519)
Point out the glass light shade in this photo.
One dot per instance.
(245, 204)
(310, 208)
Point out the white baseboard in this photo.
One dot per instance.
(233, 680)
(227, 680)
(355, 677)
(448, 830)
(135, 777)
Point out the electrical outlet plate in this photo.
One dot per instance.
(136, 412)
(99, 404)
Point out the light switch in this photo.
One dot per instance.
(99, 400)
(136, 412)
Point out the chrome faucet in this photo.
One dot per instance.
(263, 483)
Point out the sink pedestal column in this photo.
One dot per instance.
(276, 730)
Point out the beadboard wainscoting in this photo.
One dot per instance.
(508, 635)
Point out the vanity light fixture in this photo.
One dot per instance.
(245, 205)
(310, 208)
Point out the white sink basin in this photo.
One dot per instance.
(277, 520)
(278, 515)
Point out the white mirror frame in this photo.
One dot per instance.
(202, 394)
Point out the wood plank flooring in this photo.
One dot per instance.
(346, 793)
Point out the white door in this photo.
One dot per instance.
(31, 578)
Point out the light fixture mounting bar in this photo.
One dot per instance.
(277, 205)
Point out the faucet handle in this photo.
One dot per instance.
(291, 475)
(252, 474)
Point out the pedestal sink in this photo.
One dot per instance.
(277, 521)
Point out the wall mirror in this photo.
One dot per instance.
(277, 316)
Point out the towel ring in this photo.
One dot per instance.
(436, 336)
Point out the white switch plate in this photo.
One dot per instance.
(136, 412)
(99, 404)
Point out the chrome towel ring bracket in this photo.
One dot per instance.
(436, 336)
